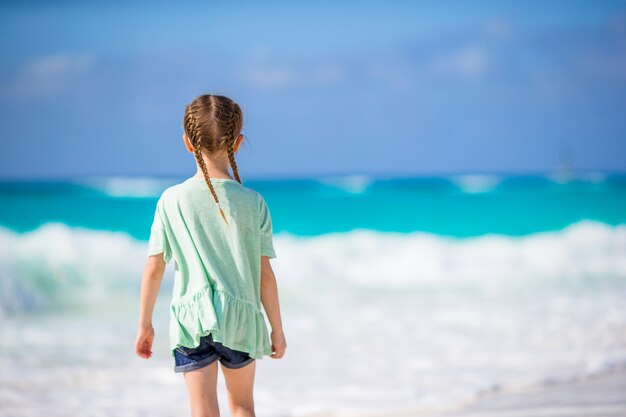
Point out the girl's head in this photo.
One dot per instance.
(212, 124)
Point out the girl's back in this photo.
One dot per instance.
(218, 264)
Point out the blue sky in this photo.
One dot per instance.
(389, 88)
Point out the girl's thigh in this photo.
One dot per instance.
(240, 385)
(202, 390)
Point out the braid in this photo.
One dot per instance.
(232, 131)
(196, 139)
(233, 164)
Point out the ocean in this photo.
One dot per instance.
(396, 294)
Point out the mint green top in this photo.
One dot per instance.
(217, 265)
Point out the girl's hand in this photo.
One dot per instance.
(143, 344)
(279, 344)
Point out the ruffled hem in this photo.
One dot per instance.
(235, 323)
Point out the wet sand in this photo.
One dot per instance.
(601, 395)
(597, 396)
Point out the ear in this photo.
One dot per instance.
(238, 142)
(187, 143)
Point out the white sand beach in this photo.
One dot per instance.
(602, 395)
(594, 396)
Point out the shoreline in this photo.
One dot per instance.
(602, 393)
(598, 394)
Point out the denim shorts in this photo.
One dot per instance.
(207, 352)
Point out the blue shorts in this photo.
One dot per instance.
(207, 352)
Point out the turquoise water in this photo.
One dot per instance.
(462, 206)
(475, 281)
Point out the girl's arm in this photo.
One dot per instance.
(269, 298)
(150, 286)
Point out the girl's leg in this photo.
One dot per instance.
(202, 390)
(239, 384)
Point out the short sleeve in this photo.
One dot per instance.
(267, 245)
(158, 238)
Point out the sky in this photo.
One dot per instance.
(326, 88)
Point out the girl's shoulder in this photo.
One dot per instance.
(186, 189)
(171, 194)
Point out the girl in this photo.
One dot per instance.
(220, 236)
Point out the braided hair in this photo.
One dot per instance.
(213, 122)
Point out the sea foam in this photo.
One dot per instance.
(393, 320)
(41, 268)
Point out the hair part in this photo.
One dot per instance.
(213, 122)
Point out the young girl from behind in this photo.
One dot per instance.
(219, 234)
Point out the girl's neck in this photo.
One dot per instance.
(217, 167)
(199, 174)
